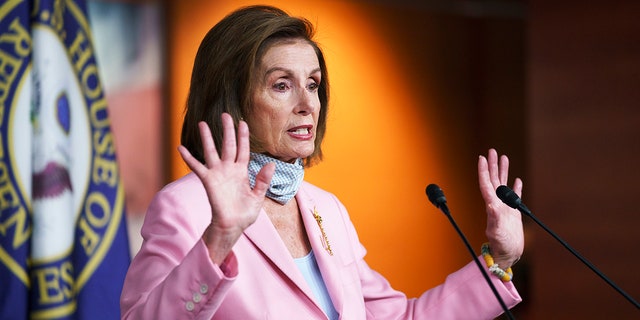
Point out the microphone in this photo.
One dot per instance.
(510, 198)
(436, 196)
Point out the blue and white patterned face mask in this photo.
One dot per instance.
(286, 179)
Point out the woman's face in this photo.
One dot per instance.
(285, 109)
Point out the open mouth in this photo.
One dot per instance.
(300, 131)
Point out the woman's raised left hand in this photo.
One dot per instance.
(504, 224)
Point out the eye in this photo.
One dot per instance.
(313, 86)
(280, 86)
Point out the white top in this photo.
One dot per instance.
(309, 268)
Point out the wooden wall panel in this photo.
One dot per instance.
(584, 119)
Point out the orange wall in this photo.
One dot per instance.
(383, 133)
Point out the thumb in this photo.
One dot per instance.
(263, 179)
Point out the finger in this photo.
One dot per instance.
(196, 166)
(263, 179)
(229, 146)
(484, 180)
(504, 170)
(208, 146)
(243, 142)
(492, 159)
(517, 187)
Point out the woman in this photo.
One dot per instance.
(243, 236)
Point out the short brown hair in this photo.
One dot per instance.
(224, 67)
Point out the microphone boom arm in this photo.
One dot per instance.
(510, 198)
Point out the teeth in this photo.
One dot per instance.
(301, 131)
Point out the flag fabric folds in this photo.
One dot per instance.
(64, 248)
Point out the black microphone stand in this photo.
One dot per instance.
(436, 196)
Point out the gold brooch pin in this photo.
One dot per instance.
(325, 241)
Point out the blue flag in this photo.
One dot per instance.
(64, 248)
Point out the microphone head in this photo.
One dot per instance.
(436, 195)
(509, 197)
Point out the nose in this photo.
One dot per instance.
(307, 102)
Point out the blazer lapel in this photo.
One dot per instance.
(265, 237)
(325, 254)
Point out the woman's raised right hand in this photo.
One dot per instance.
(234, 205)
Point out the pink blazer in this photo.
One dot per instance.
(172, 276)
